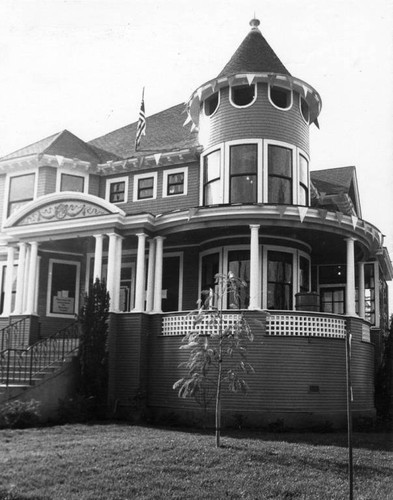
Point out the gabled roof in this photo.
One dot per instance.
(63, 143)
(333, 183)
(164, 132)
(254, 55)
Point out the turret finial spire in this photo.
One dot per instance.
(254, 23)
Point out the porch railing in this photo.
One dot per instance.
(22, 366)
(14, 335)
(302, 325)
(184, 323)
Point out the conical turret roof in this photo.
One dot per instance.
(254, 55)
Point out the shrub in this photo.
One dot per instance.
(19, 414)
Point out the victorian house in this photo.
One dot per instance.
(222, 183)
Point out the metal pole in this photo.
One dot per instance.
(349, 410)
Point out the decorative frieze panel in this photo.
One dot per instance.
(62, 211)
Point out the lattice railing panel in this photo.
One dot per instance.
(297, 325)
(183, 324)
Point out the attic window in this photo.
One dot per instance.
(280, 97)
(305, 110)
(243, 95)
(211, 104)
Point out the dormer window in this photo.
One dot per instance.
(280, 97)
(243, 95)
(211, 104)
(72, 183)
(305, 110)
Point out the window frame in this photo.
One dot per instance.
(281, 87)
(74, 173)
(8, 186)
(115, 180)
(136, 180)
(165, 185)
(301, 98)
(243, 85)
(49, 288)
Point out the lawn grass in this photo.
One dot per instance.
(120, 461)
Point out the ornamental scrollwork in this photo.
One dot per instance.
(62, 211)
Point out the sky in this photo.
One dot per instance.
(81, 65)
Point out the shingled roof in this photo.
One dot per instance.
(254, 55)
(63, 143)
(334, 180)
(164, 132)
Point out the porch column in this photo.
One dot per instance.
(97, 273)
(150, 276)
(140, 274)
(114, 267)
(158, 274)
(254, 267)
(32, 278)
(361, 294)
(350, 285)
(20, 279)
(8, 281)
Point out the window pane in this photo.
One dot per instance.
(280, 97)
(244, 189)
(22, 187)
(304, 274)
(280, 190)
(279, 286)
(211, 166)
(145, 188)
(146, 183)
(117, 192)
(175, 184)
(239, 264)
(244, 159)
(211, 104)
(305, 109)
(280, 161)
(212, 193)
(243, 94)
(303, 170)
(72, 183)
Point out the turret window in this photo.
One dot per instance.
(211, 177)
(279, 175)
(243, 173)
(303, 181)
(243, 95)
(280, 97)
(211, 104)
(305, 110)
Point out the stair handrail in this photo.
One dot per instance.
(42, 354)
(13, 333)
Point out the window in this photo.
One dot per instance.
(303, 181)
(117, 190)
(210, 267)
(279, 175)
(63, 288)
(280, 97)
(243, 173)
(279, 280)
(211, 104)
(3, 272)
(21, 191)
(243, 95)
(239, 265)
(304, 274)
(211, 178)
(145, 186)
(369, 292)
(72, 183)
(332, 300)
(305, 110)
(175, 182)
(331, 275)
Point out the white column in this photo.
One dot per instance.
(97, 273)
(119, 247)
(254, 267)
(361, 293)
(150, 276)
(20, 279)
(350, 285)
(158, 274)
(113, 274)
(32, 278)
(8, 281)
(140, 274)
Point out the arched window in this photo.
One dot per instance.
(280, 97)
(211, 104)
(243, 95)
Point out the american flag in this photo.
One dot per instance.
(141, 127)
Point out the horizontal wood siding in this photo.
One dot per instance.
(260, 120)
(46, 181)
(285, 368)
(3, 195)
(94, 185)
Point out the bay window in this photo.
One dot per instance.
(279, 175)
(243, 173)
(212, 178)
